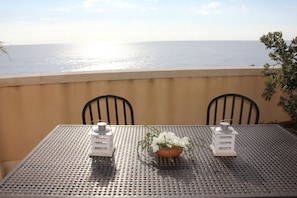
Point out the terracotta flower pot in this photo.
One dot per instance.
(172, 152)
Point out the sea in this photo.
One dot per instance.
(43, 59)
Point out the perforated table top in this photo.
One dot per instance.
(265, 166)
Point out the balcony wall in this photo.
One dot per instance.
(31, 106)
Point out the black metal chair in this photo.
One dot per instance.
(234, 107)
(108, 108)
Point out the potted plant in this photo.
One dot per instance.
(166, 144)
(283, 74)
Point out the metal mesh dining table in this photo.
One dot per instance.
(59, 166)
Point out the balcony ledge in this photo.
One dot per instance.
(70, 77)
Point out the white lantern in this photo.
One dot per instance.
(102, 140)
(223, 140)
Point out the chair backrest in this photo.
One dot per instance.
(234, 107)
(112, 109)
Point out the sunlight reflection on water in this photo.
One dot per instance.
(53, 58)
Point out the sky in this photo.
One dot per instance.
(80, 21)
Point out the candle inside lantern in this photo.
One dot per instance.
(101, 126)
(224, 126)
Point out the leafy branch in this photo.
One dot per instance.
(3, 49)
(146, 143)
(285, 75)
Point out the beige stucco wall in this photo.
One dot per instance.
(31, 106)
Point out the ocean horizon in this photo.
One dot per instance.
(40, 59)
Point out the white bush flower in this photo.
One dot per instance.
(155, 140)
(169, 140)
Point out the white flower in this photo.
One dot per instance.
(168, 140)
(154, 145)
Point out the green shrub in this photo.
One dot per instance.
(283, 73)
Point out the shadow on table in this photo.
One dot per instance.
(103, 169)
(176, 169)
(242, 170)
(162, 163)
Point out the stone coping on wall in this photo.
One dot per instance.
(88, 76)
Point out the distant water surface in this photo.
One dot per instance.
(55, 58)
